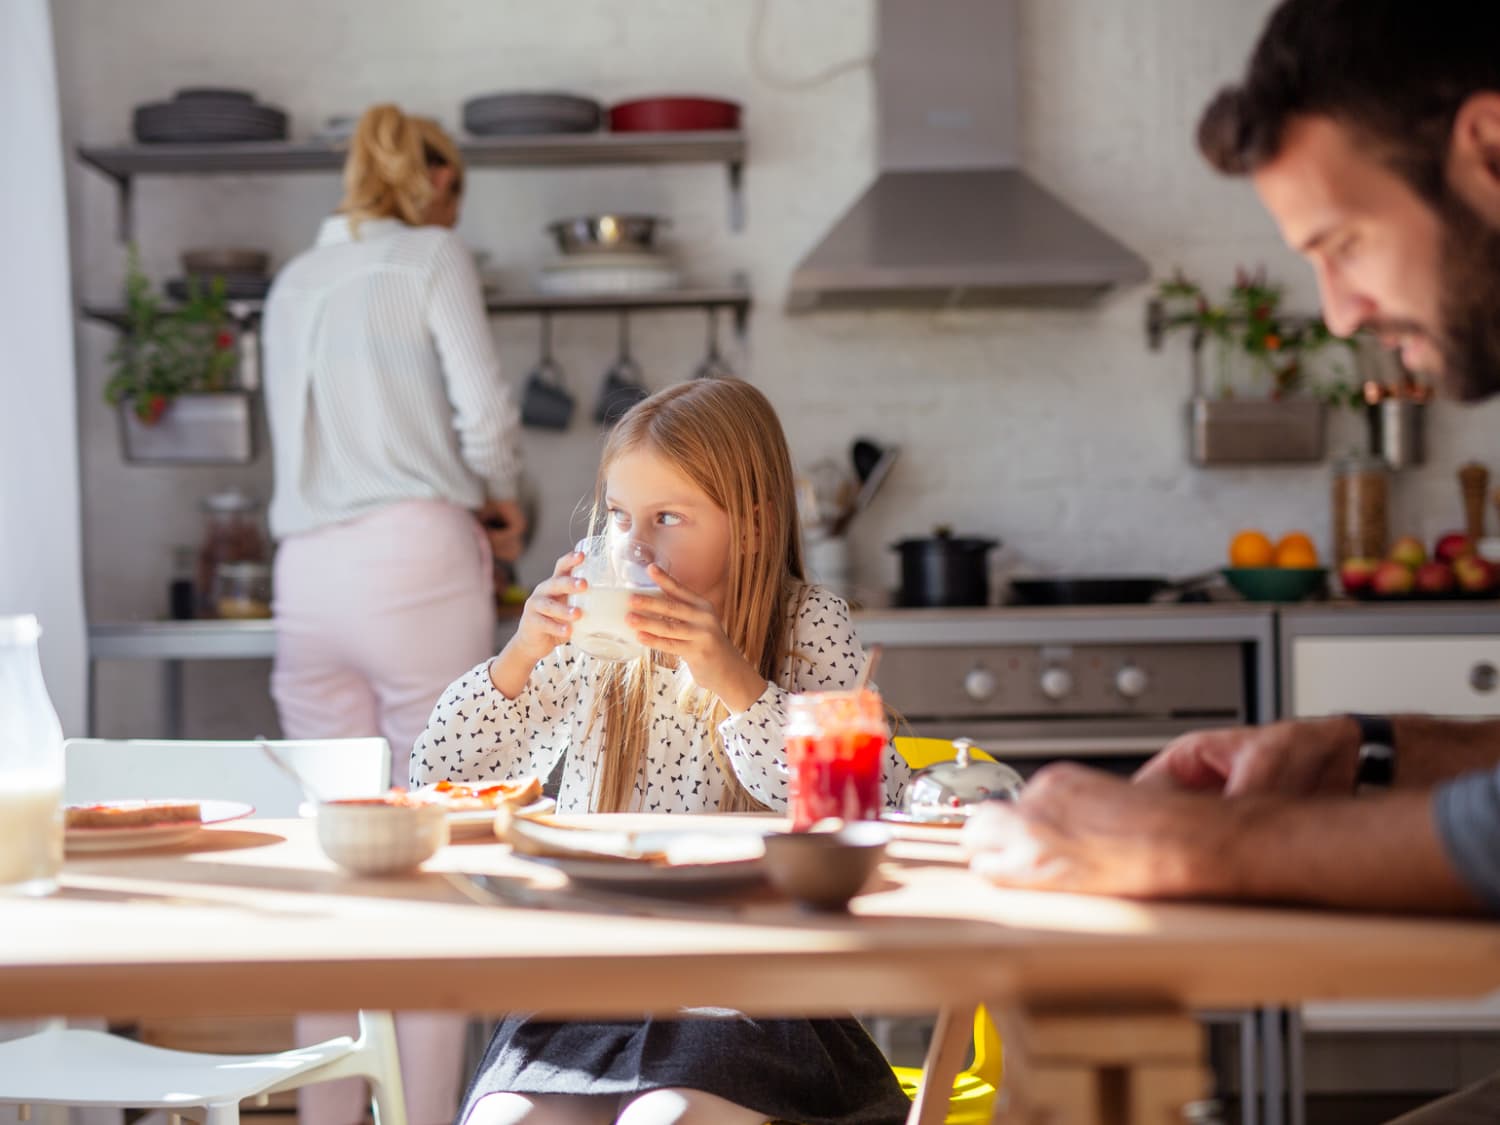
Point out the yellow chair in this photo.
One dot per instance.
(974, 1089)
(919, 753)
(973, 1099)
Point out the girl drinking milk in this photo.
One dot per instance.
(700, 476)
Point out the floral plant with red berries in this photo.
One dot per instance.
(169, 350)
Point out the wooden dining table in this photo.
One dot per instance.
(1093, 996)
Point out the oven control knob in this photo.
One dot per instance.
(1131, 681)
(1057, 683)
(980, 684)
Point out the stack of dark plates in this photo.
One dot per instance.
(208, 115)
(243, 272)
(501, 115)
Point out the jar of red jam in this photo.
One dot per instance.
(835, 750)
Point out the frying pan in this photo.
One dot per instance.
(1103, 589)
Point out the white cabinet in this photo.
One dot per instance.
(1386, 673)
(1457, 676)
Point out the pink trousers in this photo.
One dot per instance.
(374, 618)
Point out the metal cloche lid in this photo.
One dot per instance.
(950, 791)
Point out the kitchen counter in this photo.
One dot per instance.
(174, 642)
(1211, 621)
(1432, 618)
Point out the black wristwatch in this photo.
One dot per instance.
(1377, 751)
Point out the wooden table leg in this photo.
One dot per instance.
(945, 1058)
(1090, 1068)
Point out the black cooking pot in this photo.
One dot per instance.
(945, 570)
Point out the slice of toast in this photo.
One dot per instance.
(134, 814)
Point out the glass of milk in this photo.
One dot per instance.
(616, 568)
(31, 766)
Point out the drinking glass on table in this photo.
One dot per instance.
(31, 766)
(835, 744)
(616, 568)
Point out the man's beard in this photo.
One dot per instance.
(1468, 302)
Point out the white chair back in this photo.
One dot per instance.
(101, 769)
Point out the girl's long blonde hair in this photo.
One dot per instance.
(386, 174)
(724, 436)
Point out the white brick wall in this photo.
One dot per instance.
(1057, 431)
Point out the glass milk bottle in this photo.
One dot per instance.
(31, 766)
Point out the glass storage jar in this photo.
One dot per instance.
(233, 532)
(242, 590)
(1361, 507)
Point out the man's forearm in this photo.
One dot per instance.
(1431, 750)
(1382, 853)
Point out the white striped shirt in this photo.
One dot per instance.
(381, 378)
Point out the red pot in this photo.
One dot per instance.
(674, 115)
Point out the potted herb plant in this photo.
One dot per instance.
(1275, 374)
(173, 376)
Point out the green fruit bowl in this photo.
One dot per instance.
(1277, 583)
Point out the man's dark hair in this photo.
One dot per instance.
(1395, 71)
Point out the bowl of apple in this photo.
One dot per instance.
(1455, 570)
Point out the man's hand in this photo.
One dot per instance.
(1076, 829)
(505, 525)
(1296, 759)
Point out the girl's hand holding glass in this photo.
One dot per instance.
(547, 620)
(680, 623)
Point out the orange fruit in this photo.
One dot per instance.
(1301, 538)
(1251, 548)
(1296, 553)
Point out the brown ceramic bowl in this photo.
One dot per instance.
(824, 870)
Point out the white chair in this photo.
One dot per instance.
(61, 1066)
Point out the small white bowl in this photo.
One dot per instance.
(373, 837)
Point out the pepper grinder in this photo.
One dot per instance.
(1474, 483)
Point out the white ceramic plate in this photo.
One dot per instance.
(152, 835)
(699, 862)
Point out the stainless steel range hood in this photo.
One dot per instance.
(950, 219)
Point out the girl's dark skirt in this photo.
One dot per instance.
(812, 1072)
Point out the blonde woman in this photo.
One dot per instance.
(701, 474)
(394, 441)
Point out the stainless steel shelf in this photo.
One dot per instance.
(735, 296)
(122, 163)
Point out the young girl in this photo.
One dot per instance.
(701, 474)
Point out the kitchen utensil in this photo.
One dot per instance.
(1397, 429)
(870, 481)
(312, 796)
(1104, 589)
(214, 94)
(949, 792)
(216, 118)
(623, 386)
(714, 365)
(609, 272)
(545, 401)
(945, 570)
(607, 233)
(1277, 583)
(523, 112)
(833, 492)
(866, 455)
(824, 870)
(1474, 484)
(225, 260)
(673, 114)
